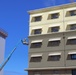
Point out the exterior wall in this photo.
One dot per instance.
(50, 72)
(69, 48)
(2, 51)
(45, 50)
(45, 23)
(63, 22)
(3, 36)
(63, 48)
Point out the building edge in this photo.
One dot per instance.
(3, 33)
(51, 8)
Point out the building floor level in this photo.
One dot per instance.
(53, 72)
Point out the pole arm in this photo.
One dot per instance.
(4, 63)
(9, 56)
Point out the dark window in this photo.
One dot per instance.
(54, 29)
(73, 56)
(38, 18)
(37, 73)
(55, 71)
(36, 45)
(54, 43)
(73, 27)
(54, 58)
(71, 41)
(54, 16)
(72, 13)
(37, 31)
(35, 59)
(74, 72)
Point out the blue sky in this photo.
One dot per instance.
(14, 19)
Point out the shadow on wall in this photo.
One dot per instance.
(13, 73)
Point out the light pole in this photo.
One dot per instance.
(9, 56)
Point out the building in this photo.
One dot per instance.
(3, 36)
(52, 40)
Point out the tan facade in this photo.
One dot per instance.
(52, 41)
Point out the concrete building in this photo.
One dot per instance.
(3, 36)
(52, 40)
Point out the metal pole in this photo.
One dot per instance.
(9, 56)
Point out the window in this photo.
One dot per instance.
(53, 16)
(54, 58)
(54, 43)
(54, 29)
(73, 56)
(36, 19)
(37, 73)
(36, 45)
(74, 72)
(72, 13)
(55, 71)
(35, 59)
(73, 27)
(37, 31)
(71, 41)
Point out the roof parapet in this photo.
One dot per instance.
(3, 33)
(52, 8)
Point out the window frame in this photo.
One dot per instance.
(55, 29)
(73, 56)
(36, 18)
(72, 12)
(37, 31)
(74, 27)
(36, 59)
(36, 45)
(53, 16)
(71, 41)
(53, 43)
(54, 58)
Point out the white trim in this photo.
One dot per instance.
(53, 54)
(53, 12)
(35, 41)
(54, 39)
(70, 9)
(72, 22)
(51, 68)
(54, 25)
(37, 28)
(36, 55)
(72, 37)
(35, 15)
(72, 52)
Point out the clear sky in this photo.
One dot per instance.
(14, 19)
